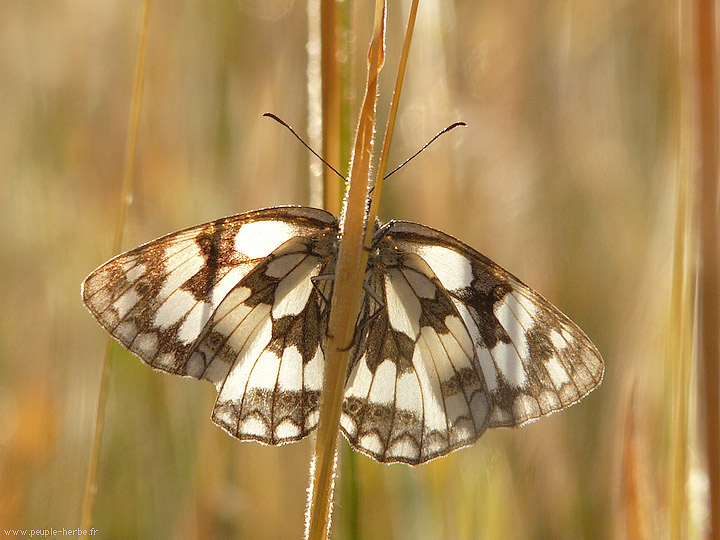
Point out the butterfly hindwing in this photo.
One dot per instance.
(265, 342)
(533, 358)
(415, 390)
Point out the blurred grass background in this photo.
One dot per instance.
(565, 176)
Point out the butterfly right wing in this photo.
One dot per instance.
(533, 358)
(156, 299)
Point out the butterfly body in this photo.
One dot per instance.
(447, 343)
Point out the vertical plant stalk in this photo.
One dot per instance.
(709, 242)
(680, 358)
(680, 342)
(314, 123)
(331, 95)
(375, 203)
(125, 196)
(352, 259)
(634, 501)
(328, 82)
(336, 141)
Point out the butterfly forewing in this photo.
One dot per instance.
(534, 360)
(157, 298)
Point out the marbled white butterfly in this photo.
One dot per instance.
(447, 342)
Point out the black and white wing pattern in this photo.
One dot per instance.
(268, 336)
(458, 345)
(447, 343)
(231, 302)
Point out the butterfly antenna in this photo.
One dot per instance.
(306, 145)
(450, 127)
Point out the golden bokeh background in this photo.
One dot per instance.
(565, 176)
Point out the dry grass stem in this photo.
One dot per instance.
(680, 343)
(709, 265)
(331, 95)
(352, 258)
(634, 495)
(375, 203)
(125, 197)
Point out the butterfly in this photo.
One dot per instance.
(447, 343)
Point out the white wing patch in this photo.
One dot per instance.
(125, 303)
(174, 308)
(294, 288)
(383, 388)
(402, 304)
(183, 260)
(260, 238)
(451, 268)
(557, 372)
(194, 321)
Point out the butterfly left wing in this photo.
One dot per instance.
(232, 302)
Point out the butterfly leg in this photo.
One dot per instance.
(369, 290)
(314, 280)
(367, 320)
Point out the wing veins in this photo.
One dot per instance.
(564, 323)
(250, 371)
(543, 364)
(442, 392)
(441, 291)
